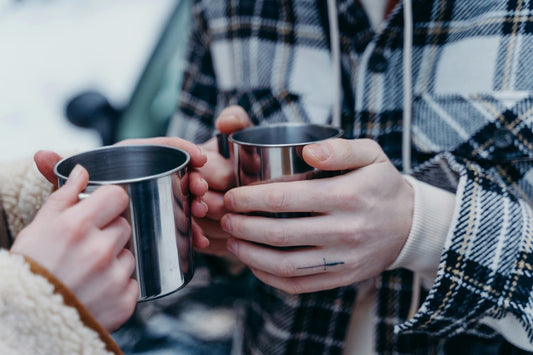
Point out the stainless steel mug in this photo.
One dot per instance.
(157, 181)
(273, 153)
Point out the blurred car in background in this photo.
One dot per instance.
(111, 66)
(154, 96)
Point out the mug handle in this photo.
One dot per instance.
(223, 145)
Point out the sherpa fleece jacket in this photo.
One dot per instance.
(38, 314)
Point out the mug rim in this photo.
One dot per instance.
(338, 133)
(123, 147)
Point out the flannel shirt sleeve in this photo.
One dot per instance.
(485, 270)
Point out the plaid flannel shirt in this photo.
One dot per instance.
(471, 134)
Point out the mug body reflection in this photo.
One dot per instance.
(157, 181)
(273, 153)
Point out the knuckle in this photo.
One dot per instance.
(57, 196)
(124, 225)
(347, 234)
(285, 269)
(348, 196)
(129, 301)
(133, 295)
(75, 229)
(376, 148)
(102, 255)
(119, 194)
(371, 143)
(114, 193)
(129, 263)
(276, 236)
(342, 194)
(276, 201)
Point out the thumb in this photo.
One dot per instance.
(45, 161)
(343, 154)
(67, 195)
(231, 119)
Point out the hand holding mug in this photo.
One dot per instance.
(156, 179)
(46, 160)
(219, 174)
(358, 225)
(82, 244)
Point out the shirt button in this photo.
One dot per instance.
(378, 63)
(503, 138)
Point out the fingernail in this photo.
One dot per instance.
(318, 151)
(204, 205)
(205, 184)
(232, 246)
(237, 119)
(234, 118)
(75, 174)
(202, 151)
(229, 200)
(226, 224)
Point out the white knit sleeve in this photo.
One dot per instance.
(432, 215)
(34, 319)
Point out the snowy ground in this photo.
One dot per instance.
(51, 50)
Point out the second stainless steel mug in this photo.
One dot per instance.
(157, 181)
(273, 153)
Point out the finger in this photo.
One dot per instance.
(296, 196)
(216, 247)
(45, 161)
(343, 154)
(118, 232)
(218, 172)
(212, 229)
(197, 184)
(232, 119)
(111, 319)
(125, 297)
(215, 205)
(286, 263)
(198, 157)
(290, 232)
(199, 208)
(125, 263)
(303, 284)
(103, 205)
(199, 240)
(67, 195)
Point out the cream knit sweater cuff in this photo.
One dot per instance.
(432, 215)
(23, 190)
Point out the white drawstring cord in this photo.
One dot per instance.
(407, 98)
(334, 40)
(407, 85)
(406, 123)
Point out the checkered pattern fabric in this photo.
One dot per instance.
(471, 134)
